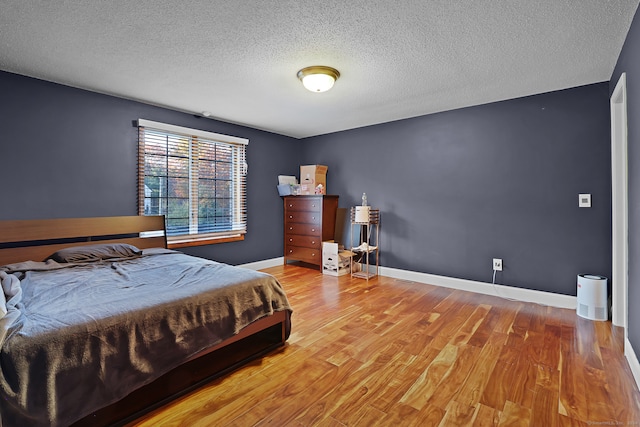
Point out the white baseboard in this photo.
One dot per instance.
(267, 263)
(502, 291)
(632, 358)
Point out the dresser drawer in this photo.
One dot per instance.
(303, 217)
(310, 204)
(302, 240)
(302, 228)
(313, 256)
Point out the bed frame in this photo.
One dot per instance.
(23, 240)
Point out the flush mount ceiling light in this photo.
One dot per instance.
(318, 78)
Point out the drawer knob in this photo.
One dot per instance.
(291, 240)
(313, 217)
(313, 242)
(290, 228)
(290, 251)
(313, 206)
(313, 229)
(313, 254)
(290, 206)
(290, 216)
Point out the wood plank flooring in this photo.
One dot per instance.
(389, 352)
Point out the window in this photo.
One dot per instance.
(196, 179)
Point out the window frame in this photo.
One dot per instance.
(199, 138)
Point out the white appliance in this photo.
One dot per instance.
(362, 214)
(592, 297)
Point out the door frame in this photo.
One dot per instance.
(619, 206)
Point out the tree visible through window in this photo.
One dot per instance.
(195, 178)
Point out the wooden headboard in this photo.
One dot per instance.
(23, 240)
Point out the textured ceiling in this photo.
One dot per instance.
(238, 59)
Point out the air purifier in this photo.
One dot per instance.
(592, 297)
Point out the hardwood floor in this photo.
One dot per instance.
(396, 353)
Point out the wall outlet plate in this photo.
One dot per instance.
(497, 264)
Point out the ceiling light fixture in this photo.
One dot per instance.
(318, 78)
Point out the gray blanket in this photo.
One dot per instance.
(82, 336)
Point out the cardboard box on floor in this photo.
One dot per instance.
(335, 262)
(311, 176)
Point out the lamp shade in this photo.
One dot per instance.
(318, 78)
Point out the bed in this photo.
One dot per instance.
(104, 323)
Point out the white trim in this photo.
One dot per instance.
(619, 206)
(632, 358)
(502, 291)
(193, 132)
(267, 263)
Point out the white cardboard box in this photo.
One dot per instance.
(335, 262)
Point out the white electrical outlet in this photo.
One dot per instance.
(497, 264)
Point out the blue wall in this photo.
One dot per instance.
(629, 62)
(455, 189)
(458, 188)
(66, 152)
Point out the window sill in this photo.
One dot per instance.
(185, 243)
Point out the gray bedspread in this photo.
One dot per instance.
(82, 336)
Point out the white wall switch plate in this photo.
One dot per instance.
(497, 264)
(584, 200)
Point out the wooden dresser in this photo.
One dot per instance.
(308, 221)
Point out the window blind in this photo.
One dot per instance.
(196, 179)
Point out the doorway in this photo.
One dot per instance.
(619, 206)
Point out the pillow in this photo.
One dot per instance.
(10, 284)
(95, 252)
(3, 305)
